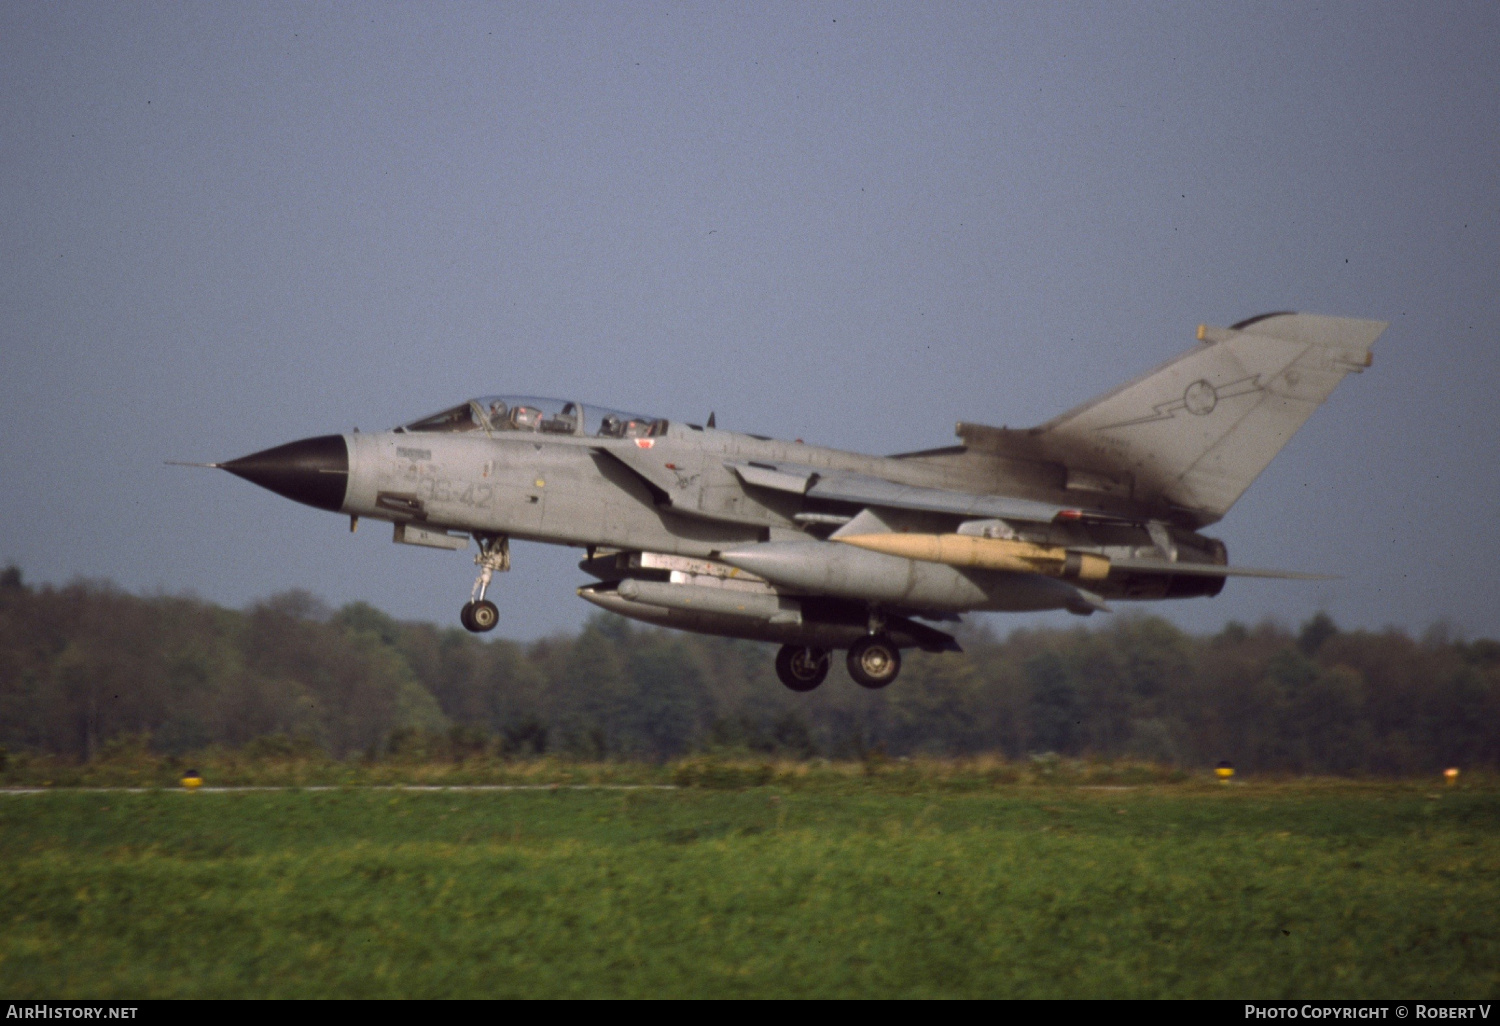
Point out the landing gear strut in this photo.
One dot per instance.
(479, 613)
(874, 661)
(801, 668)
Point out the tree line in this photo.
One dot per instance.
(87, 664)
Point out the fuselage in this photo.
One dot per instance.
(674, 490)
(676, 493)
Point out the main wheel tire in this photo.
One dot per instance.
(483, 616)
(801, 668)
(874, 661)
(463, 617)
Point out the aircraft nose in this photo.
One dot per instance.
(314, 471)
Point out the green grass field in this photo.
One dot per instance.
(845, 886)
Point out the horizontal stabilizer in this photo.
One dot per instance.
(1162, 566)
(1086, 603)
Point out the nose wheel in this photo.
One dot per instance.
(479, 613)
(479, 616)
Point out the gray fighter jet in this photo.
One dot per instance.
(691, 527)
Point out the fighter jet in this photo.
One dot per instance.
(720, 532)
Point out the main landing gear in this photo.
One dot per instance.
(479, 613)
(874, 661)
(801, 668)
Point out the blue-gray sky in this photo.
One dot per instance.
(226, 226)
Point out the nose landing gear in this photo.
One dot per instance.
(479, 613)
(479, 616)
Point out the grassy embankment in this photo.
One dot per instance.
(908, 880)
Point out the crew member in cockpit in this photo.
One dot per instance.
(526, 418)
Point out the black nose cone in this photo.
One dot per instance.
(314, 470)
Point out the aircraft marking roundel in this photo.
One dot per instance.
(1200, 398)
(644, 443)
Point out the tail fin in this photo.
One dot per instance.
(1199, 429)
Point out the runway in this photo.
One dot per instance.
(420, 788)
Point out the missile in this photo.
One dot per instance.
(1014, 556)
(1008, 554)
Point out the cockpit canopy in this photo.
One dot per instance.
(491, 413)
